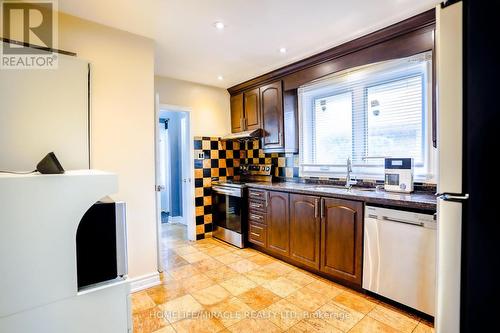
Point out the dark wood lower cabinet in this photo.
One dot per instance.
(257, 234)
(278, 226)
(305, 229)
(342, 239)
(322, 234)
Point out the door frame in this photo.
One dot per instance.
(188, 196)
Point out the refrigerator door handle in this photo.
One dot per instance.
(454, 197)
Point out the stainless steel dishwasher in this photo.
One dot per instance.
(399, 260)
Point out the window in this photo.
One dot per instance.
(333, 132)
(395, 119)
(366, 114)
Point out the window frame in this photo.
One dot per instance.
(424, 172)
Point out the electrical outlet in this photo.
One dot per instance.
(198, 154)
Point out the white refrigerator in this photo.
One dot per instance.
(451, 196)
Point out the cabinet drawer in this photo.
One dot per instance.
(257, 234)
(256, 216)
(257, 194)
(257, 206)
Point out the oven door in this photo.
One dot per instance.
(228, 214)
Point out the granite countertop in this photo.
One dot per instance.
(415, 200)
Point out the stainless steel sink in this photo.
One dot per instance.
(329, 188)
(366, 189)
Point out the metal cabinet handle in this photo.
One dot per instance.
(385, 218)
(316, 208)
(267, 199)
(322, 205)
(454, 197)
(256, 217)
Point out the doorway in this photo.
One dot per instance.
(174, 186)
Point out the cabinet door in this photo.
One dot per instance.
(271, 101)
(341, 239)
(278, 227)
(252, 109)
(237, 113)
(305, 229)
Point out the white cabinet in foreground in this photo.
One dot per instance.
(39, 218)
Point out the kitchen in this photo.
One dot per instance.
(285, 188)
(332, 169)
(316, 214)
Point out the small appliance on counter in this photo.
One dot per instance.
(229, 200)
(398, 175)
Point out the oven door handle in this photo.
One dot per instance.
(217, 189)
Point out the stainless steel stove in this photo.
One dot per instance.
(229, 204)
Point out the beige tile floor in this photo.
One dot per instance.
(209, 286)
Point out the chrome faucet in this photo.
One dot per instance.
(348, 181)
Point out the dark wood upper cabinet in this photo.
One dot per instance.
(237, 113)
(278, 226)
(341, 239)
(305, 229)
(271, 109)
(271, 101)
(252, 113)
(291, 124)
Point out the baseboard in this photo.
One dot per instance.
(144, 282)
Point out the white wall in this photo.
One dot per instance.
(210, 115)
(122, 125)
(54, 118)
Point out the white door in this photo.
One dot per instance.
(187, 176)
(187, 169)
(163, 180)
(158, 185)
(449, 83)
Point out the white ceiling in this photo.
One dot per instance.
(189, 47)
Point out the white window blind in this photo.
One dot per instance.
(367, 113)
(332, 129)
(395, 119)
